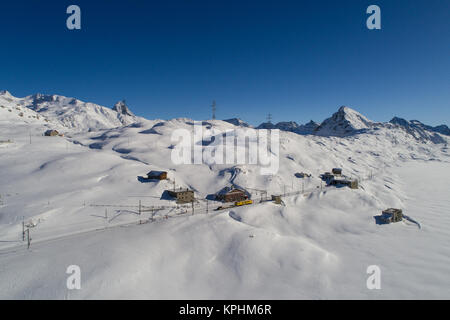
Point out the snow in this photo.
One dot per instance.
(71, 113)
(82, 192)
(344, 122)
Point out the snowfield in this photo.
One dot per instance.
(80, 194)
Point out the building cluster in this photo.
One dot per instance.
(336, 178)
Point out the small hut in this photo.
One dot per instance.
(157, 175)
(51, 133)
(391, 215)
(182, 195)
(276, 199)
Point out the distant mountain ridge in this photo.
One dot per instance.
(85, 116)
(421, 131)
(73, 113)
(346, 122)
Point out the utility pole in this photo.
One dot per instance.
(28, 238)
(269, 118)
(213, 106)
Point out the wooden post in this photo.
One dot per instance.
(139, 207)
(23, 229)
(207, 202)
(192, 207)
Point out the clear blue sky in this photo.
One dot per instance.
(298, 60)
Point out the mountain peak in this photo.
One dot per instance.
(418, 129)
(5, 93)
(237, 122)
(344, 122)
(122, 108)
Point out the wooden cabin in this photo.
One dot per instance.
(157, 175)
(51, 133)
(231, 195)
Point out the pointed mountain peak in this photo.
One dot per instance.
(122, 108)
(344, 122)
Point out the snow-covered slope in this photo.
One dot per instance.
(73, 114)
(82, 193)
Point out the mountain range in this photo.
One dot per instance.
(79, 116)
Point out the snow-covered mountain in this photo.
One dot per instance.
(122, 108)
(419, 131)
(308, 128)
(291, 126)
(72, 113)
(80, 196)
(345, 121)
(238, 122)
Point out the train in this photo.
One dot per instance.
(243, 203)
(236, 204)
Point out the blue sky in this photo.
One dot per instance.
(298, 60)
